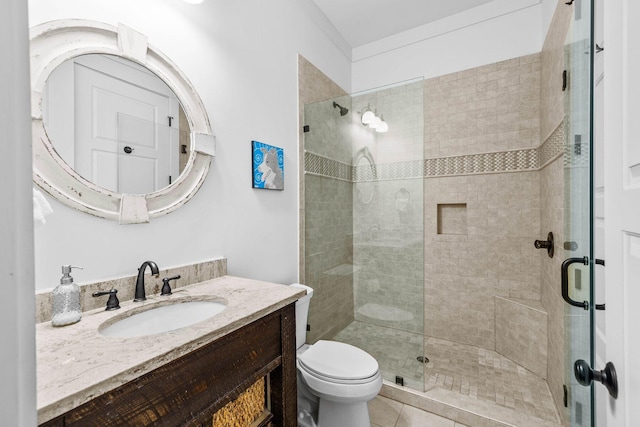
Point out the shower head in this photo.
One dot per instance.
(343, 111)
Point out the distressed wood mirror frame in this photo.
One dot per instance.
(53, 43)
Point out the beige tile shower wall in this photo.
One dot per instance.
(328, 255)
(491, 108)
(552, 219)
(325, 242)
(496, 257)
(313, 86)
(401, 107)
(388, 256)
(552, 65)
(329, 133)
(521, 333)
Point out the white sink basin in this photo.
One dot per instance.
(164, 318)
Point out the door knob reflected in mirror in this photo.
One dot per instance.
(128, 149)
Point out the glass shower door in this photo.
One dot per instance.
(364, 226)
(388, 232)
(328, 217)
(578, 266)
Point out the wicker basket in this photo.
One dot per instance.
(243, 411)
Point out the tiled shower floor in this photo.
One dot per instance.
(471, 371)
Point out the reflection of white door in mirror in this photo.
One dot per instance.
(52, 45)
(117, 132)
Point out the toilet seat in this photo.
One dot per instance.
(345, 392)
(339, 363)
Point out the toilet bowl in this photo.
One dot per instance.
(335, 380)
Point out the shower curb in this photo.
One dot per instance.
(468, 417)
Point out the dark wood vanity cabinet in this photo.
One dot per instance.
(189, 390)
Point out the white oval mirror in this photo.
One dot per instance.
(132, 139)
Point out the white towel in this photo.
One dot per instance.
(41, 208)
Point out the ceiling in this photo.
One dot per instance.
(364, 21)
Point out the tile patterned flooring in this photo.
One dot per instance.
(471, 371)
(389, 413)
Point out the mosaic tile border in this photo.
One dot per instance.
(531, 159)
(316, 164)
(550, 149)
(399, 170)
(505, 161)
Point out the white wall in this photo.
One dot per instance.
(17, 352)
(242, 58)
(492, 32)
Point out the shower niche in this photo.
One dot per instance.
(452, 219)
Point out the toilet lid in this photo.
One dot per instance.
(339, 361)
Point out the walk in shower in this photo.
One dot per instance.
(418, 241)
(418, 237)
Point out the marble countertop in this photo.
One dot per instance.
(76, 363)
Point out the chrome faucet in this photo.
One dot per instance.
(140, 295)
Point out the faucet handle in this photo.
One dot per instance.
(166, 288)
(112, 303)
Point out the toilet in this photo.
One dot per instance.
(335, 380)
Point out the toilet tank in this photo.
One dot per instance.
(302, 312)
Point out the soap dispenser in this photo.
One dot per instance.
(66, 300)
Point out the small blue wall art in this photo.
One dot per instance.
(268, 166)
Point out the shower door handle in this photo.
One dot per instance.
(565, 281)
(600, 306)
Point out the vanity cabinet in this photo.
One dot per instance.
(187, 391)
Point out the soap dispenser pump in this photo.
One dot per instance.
(66, 300)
